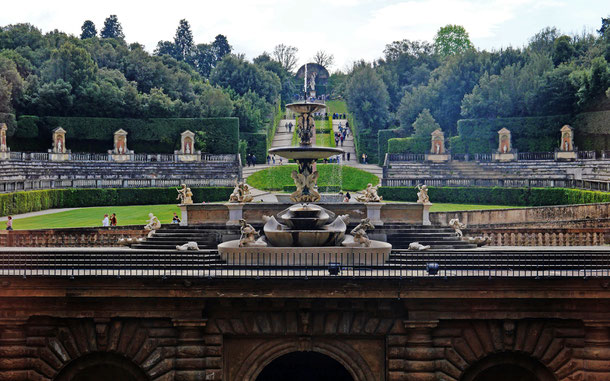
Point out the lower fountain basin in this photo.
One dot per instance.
(375, 255)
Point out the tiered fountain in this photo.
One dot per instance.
(290, 236)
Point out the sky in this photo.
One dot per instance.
(349, 29)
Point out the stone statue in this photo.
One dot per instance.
(457, 226)
(185, 195)
(241, 193)
(130, 240)
(370, 194)
(305, 187)
(416, 246)
(422, 195)
(248, 234)
(188, 246)
(479, 241)
(153, 222)
(359, 232)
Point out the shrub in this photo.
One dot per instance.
(383, 136)
(409, 145)
(498, 196)
(159, 135)
(31, 201)
(257, 145)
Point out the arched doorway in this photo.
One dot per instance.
(101, 367)
(304, 366)
(508, 367)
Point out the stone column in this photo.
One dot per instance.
(596, 352)
(198, 356)
(373, 212)
(420, 355)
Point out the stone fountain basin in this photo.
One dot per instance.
(375, 255)
(306, 152)
(305, 107)
(280, 235)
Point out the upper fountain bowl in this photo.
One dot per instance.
(306, 152)
(305, 107)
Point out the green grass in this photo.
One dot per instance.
(462, 207)
(336, 107)
(350, 179)
(85, 217)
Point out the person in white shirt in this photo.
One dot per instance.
(106, 221)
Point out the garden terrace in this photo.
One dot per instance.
(33, 174)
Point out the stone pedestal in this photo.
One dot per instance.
(120, 157)
(373, 212)
(565, 155)
(426, 215)
(59, 156)
(5, 156)
(184, 216)
(188, 158)
(497, 156)
(235, 213)
(438, 158)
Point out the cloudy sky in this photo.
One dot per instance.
(350, 29)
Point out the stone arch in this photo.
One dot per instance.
(265, 353)
(117, 365)
(144, 343)
(550, 342)
(514, 359)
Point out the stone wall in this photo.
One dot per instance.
(542, 214)
(70, 237)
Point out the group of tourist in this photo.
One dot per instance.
(339, 116)
(289, 127)
(109, 221)
(271, 159)
(251, 160)
(341, 135)
(347, 197)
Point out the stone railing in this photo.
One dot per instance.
(543, 237)
(25, 185)
(544, 156)
(139, 157)
(490, 182)
(69, 237)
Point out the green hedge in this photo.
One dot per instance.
(31, 201)
(409, 145)
(159, 135)
(530, 134)
(592, 131)
(272, 127)
(257, 145)
(498, 196)
(383, 136)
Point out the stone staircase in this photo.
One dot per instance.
(169, 236)
(472, 169)
(401, 235)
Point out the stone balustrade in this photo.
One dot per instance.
(543, 237)
(70, 237)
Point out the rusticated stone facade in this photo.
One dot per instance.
(419, 330)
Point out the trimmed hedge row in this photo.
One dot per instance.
(529, 134)
(591, 131)
(160, 135)
(32, 201)
(411, 145)
(383, 136)
(498, 196)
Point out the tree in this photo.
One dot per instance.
(88, 30)
(451, 40)
(324, 59)
(425, 124)
(165, 47)
(112, 28)
(5, 96)
(220, 47)
(563, 50)
(286, 55)
(367, 99)
(71, 64)
(605, 26)
(241, 76)
(183, 42)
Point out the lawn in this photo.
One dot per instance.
(84, 217)
(336, 107)
(350, 179)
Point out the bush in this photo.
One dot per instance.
(409, 145)
(498, 196)
(591, 131)
(383, 136)
(346, 178)
(158, 135)
(31, 201)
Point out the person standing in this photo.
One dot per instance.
(113, 219)
(105, 221)
(253, 160)
(348, 155)
(268, 159)
(9, 223)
